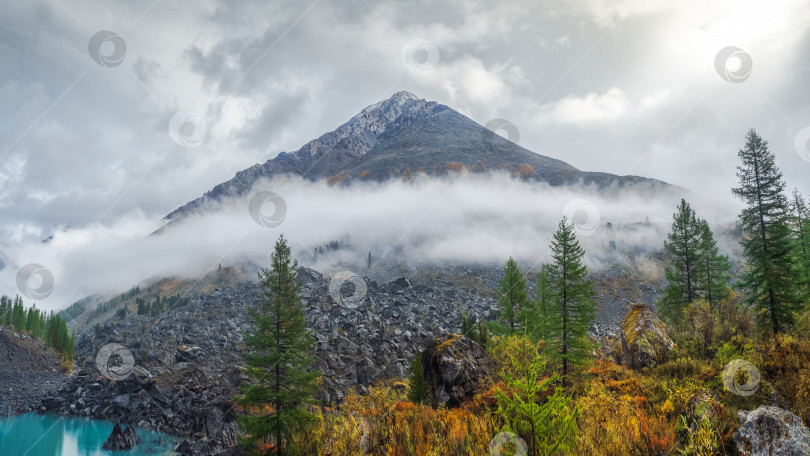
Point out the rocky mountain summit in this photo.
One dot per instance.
(399, 138)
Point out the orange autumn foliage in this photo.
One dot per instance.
(615, 418)
(383, 420)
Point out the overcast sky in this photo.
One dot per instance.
(628, 87)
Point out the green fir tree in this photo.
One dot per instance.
(279, 358)
(772, 278)
(572, 298)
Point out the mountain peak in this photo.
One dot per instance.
(399, 102)
(404, 95)
(400, 137)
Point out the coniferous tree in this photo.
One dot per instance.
(714, 282)
(800, 214)
(686, 268)
(32, 321)
(482, 334)
(18, 314)
(572, 298)
(417, 386)
(531, 409)
(511, 297)
(474, 329)
(5, 311)
(467, 325)
(281, 383)
(772, 277)
(537, 315)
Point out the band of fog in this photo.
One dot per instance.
(467, 218)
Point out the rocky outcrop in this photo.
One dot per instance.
(122, 439)
(771, 431)
(455, 368)
(644, 338)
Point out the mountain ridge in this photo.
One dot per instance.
(400, 137)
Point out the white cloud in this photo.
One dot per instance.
(441, 220)
(590, 108)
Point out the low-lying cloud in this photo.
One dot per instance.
(467, 218)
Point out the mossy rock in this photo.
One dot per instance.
(645, 341)
(455, 369)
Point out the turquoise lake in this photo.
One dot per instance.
(56, 435)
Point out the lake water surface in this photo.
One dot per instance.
(56, 435)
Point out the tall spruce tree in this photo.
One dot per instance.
(686, 269)
(572, 296)
(280, 381)
(512, 297)
(714, 281)
(800, 214)
(772, 277)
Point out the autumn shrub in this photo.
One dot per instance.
(733, 318)
(687, 367)
(699, 323)
(416, 430)
(383, 421)
(336, 433)
(737, 347)
(704, 428)
(785, 368)
(611, 424)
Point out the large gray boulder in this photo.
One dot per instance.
(771, 431)
(644, 338)
(455, 369)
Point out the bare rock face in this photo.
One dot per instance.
(771, 431)
(122, 440)
(454, 368)
(644, 338)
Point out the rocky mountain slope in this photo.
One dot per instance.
(401, 137)
(28, 371)
(188, 360)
